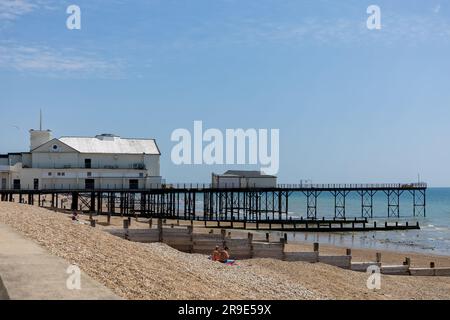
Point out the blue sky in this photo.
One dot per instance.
(352, 104)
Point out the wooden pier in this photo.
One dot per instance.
(313, 226)
(268, 208)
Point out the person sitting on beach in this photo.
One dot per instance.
(224, 255)
(74, 216)
(227, 250)
(216, 254)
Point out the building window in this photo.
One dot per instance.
(49, 174)
(59, 174)
(89, 184)
(63, 174)
(134, 184)
(88, 163)
(89, 174)
(16, 184)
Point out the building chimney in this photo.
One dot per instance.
(39, 137)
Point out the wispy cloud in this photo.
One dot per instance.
(411, 29)
(42, 60)
(416, 29)
(437, 9)
(49, 60)
(396, 28)
(11, 9)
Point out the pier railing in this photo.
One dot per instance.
(202, 186)
(354, 186)
(324, 186)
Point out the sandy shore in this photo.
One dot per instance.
(156, 271)
(388, 257)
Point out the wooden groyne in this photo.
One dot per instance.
(186, 240)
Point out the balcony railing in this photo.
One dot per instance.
(94, 167)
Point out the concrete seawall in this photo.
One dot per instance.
(28, 272)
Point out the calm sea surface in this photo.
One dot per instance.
(434, 236)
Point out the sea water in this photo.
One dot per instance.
(433, 238)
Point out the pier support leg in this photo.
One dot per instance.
(419, 202)
(367, 203)
(393, 202)
(92, 204)
(74, 205)
(311, 204)
(339, 203)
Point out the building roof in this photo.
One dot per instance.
(111, 145)
(247, 174)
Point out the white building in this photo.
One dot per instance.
(243, 179)
(102, 162)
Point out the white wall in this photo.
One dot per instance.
(152, 163)
(27, 161)
(55, 160)
(226, 182)
(75, 178)
(261, 182)
(98, 161)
